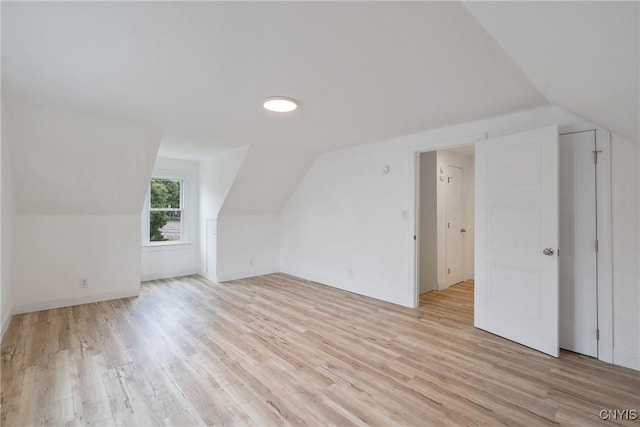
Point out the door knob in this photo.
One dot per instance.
(548, 251)
(463, 230)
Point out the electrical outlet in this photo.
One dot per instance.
(350, 273)
(250, 261)
(84, 283)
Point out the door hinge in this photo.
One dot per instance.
(414, 237)
(448, 225)
(595, 155)
(597, 334)
(597, 246)
(448, 271)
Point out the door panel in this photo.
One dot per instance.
(578, 288)
(455, 242)
(516, 285)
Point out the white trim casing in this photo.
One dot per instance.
(605, 253)
(173, 274)
(604, 220)
(245, 275)
(146, 211)
(414, 194)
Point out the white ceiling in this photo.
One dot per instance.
(582, 56)
(362, 71)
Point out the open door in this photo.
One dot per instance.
(516, 269)
(454, 233)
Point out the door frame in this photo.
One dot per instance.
(448, 282)
(414, 198)
(603, 185)
(604, 277)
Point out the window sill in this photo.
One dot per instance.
(165, 246)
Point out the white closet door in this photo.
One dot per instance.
(455, 242)
(516, 277)
(578, 292)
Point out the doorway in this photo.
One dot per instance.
(578, 250)
(446, 200)
(584, 302)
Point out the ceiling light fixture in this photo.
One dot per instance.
(280, 104)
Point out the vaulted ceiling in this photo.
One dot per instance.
(582, 56)
(362, 71)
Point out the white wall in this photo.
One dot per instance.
(346, 225)
(428, 236)
(626, 251)
(79, 185)
(53, 252)
(446, 158)
(248, 241)
(247, 245)
(216, 177)
(347, 216)
(6, 233)
(161, 261)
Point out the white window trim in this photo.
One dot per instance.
(184, 226)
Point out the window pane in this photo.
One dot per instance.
(165, 226)
(165, 193)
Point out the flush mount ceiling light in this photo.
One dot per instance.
(280, 104)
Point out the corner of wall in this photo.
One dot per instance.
(247, 245)
(6, 234)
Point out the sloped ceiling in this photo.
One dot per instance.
(217, 175)
(362, 71)
(267, 178)
(582, 56)
(69, 163)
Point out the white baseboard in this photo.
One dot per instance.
(626, 358)
(348, 285)
(68, 302)
(157, 276)
(245, 274)
(5, 324)
(204, 274)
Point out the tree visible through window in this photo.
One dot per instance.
(165, 210)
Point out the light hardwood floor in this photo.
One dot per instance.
(277, 350)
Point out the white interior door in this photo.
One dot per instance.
(578, 289)
(516, 283)
(454, 239)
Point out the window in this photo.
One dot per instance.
(166, 212)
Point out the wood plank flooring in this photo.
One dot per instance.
(277, 350)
